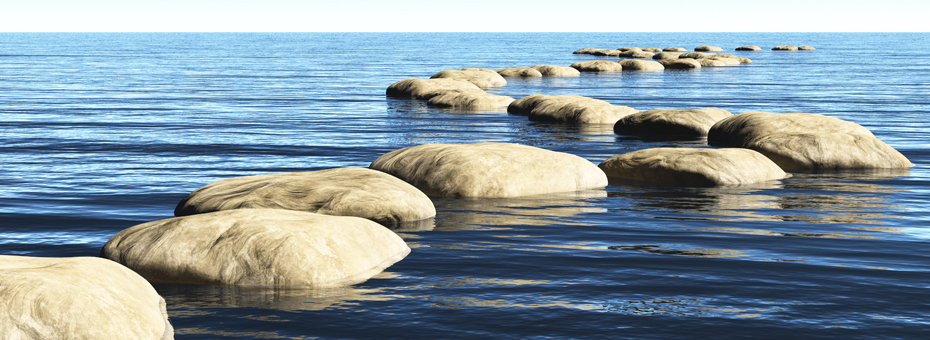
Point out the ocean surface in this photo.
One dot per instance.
(101, 132)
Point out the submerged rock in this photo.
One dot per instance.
(489, 170)
(693, 167)
(481, 77)
(518, 72)
(749, 48)
(78, 298)
(708, 48)
(688, 123)
(641, 65)
(681, 64)
(470, 100)
(427, 88)
(569, 108)
(597, 66)
(257, 247)
(785, 48)
(357, 192)
(556, 71)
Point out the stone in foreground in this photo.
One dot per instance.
(356, 192)
(569, 109)
(257, 248)
(693, 167)
(692, 123)
(427, 88)
(481, 77)
(45, 298)
(597, 66)
(489, 170)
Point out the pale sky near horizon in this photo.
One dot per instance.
(464, 16)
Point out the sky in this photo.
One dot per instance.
(464, 16)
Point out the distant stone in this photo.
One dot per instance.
(674, 49)
(708, 49)
(749, 48)
(628, 49)
(489, 170)
(652, 49)
(470, 100)
(257, 248)
(586, 51)
(569, 109)
(78, 298)
(518, 72)
(481, 77)
(707, 62)
(693, 167)
(641, 65)
(696, 55)
(803, 141)
(785, 48)
(687, 123)
(597, 66)
(556, 71)
(806, 48)
(427, 88)
(741, 60)
(666, 55)
(726, 61)
(680, 64)
(606, 53)
(636, 54)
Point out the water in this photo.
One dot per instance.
(101, 132)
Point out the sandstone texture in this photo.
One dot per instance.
(666, 55)
(353, 191)
(641, 65)
(586, 51)
(481, 77)
(785, 48)
(84, 298)
(556, 71)
(489, 170)
(606, 53)
(427, 88)
(680, 64)
(708, 48)
(470, 100)
(693, 167)
(257, 248)
(652, 49)
(686, 123)
(696, 55)
(749, 48)
(597, 66)
(569, 109)
(518, 72)
(636, 54)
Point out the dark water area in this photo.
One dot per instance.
(100, 132)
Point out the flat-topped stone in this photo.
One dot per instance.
(481, 77)
(687, 123)
(666, 55)
(586, 50)
(693, 166)
(489, 170)
(641, 65)
(78, 298)
(427, 88)
(785, 48)
(652, 49)
(749, 48)
(569, 109)
(674, 49)
(518, 72)
(696, 55)
(470, 100)
(606, 53)
(680, 64)
(257, 247)
(597, 66)
(741, 60)
(806, 48)
(556, 71)
(739, 129)
(706, 48)
(636, 54)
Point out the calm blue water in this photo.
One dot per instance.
(100, 132)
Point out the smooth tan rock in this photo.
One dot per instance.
(674, 49)
(597, 66)
(489, 170)
(681, 64)
(556, 71)
(481, 77)
(785, 48)
(666, 55)
(708, 48)
(89, 298)
(641, 65)
(586, 51)
(569, 109)
(606, 53)
(518, 72)
(652, 49)
(693, 167)
(707, 62)
(626, 49)
(357, 192)
(726, 61)
(636, 54)
(804, 141)
(741, 60)
(257, 247)
(749, 48)
(696, 55)
(470, 100)
(689, 123)
(427, 88)
(806, 48)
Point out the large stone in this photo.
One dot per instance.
(597, 66)
(641, 65)
(636, 54)
(741, 60)
(804, 141)
(569, 108)
(708, 48)
(586, 51)
(652, 49)
(688, 123)
(257, 247)
(45, 298)
(626, 49)
(556, 71)
(749, 48)
(674, 49)
(481, 77)
(470, 100)
(806, 48)
(680, 64)
(785, 48)
(606, 53)
(666, 55)
(518, 72)
(696, 55)
(693, 167)
(489, 170)
(427, 88)
(357, 192)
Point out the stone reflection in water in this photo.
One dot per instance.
(555, 208)
(682, 307)
(697, 252)
(725, 203)
(556, 133)
(863, 181)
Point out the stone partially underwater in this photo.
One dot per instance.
(693, 167)
(448, 92)
(692, 123)
(569, 109)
